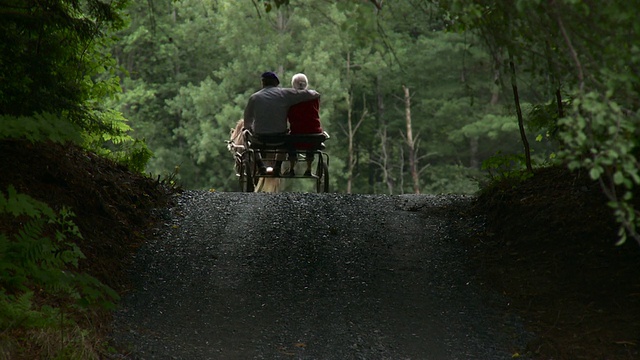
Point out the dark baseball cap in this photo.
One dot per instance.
(270, 75)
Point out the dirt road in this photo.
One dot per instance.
(313, 276)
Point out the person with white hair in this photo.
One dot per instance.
(266, 110)
(304, 118)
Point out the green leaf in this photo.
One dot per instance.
(596, 172)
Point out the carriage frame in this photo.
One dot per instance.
(273, 147)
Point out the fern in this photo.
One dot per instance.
(113, 140)
(39, 127)
(19, 311)
(109, 136)
(30, 259)
(507, 167)
(20, 204)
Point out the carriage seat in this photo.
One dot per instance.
(274, 142)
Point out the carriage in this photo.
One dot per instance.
(248, 148)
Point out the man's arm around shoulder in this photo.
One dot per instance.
(313, 93)
(298, 96)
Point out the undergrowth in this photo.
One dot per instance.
(42, 295)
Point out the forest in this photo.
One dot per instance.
(419, 96)
(403, 92)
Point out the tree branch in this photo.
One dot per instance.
(572, 50)
(377, 3)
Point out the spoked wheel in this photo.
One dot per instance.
(247, 179)
(322, 173)
(249, 185)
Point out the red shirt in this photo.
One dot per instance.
(304, 118)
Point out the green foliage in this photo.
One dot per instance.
(195, 68)
(39, 127)
(269, 5)
(48, 55)
(545, 117)
(112, 140)
(598, 73)
(46, 331)
(492, 126)
(450, 179)
(601, 137)
(115, 141)
(506, 167)
(56, 74)
(20, 311)
(20, 204)
(41, 254)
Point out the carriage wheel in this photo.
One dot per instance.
(322, 172)
(246, 174)
(240, 172)
(249, 185)
(246, 182)
(241, 180)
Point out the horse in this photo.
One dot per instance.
(236, 141)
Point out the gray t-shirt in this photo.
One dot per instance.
(266, 111)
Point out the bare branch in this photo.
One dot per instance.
(572, 50)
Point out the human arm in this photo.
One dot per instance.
(297, 96)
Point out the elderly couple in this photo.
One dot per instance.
(267, 112)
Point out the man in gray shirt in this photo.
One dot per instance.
(266, 112)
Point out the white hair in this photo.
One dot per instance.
(298, 79)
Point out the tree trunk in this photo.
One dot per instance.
(350, 131)
(474, 163)
(384, 159)
(384, 140)
(350, 157)
(413, 166)
(559, 103)
(516, 99)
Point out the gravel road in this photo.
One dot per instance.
(312, 276)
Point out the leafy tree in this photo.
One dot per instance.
(51, 54)
(186, 117)
(595, 75)
(445, 73)
(56, 75)
(56, 72)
